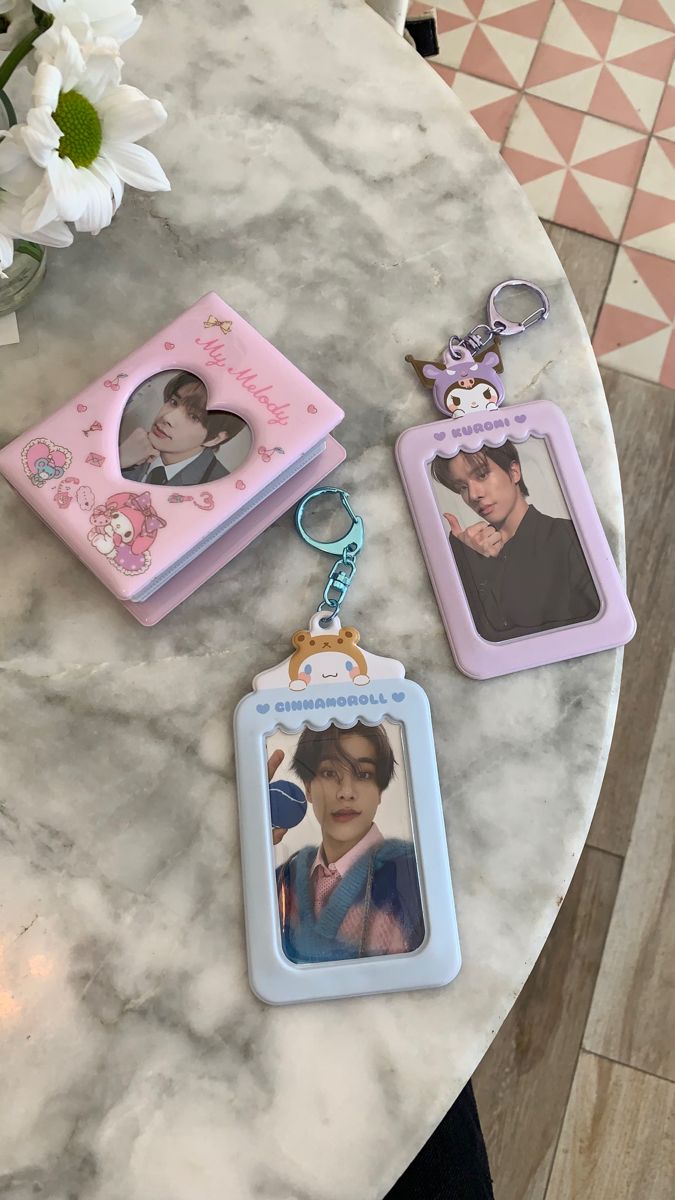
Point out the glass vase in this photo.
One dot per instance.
(24, 276)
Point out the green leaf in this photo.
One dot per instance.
(8, 107)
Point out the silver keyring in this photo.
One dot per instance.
(506, 328)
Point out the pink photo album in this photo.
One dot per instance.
(158, 474)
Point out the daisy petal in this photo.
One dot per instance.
(12, 154)
(112, 18)
(103, 71)
(96, 10)
(6, 254)
(128, 117)
(22, 180)
(121, 29)
(68, 58)
(136, 166)
(41, 135)
(19, 175)
(53, 234)
(46, 86)
(10, 216)
(103, 171)
(120, 96)
(39, 209)
(70, 186)
(78, 24)
(98, 211)
(90, 18)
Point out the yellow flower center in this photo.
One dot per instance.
(81, 126)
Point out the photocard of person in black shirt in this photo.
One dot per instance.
(168, 435)
(517, 552)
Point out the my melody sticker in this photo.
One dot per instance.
(123, 530)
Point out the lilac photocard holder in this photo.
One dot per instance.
(477, 657)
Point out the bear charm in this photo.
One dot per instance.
(327, 654)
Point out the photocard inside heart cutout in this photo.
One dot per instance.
(170, 435)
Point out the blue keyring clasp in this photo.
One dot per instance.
(352, 541)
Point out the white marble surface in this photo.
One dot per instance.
(330, 186)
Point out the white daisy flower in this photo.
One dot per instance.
(82, 131)
(117, 19)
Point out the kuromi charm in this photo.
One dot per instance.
(346, 876)
(462, 385)
(514, 546)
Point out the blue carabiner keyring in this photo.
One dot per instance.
(347, 547)
(352, 540)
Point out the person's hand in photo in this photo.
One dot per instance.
(273, 763)
(137, 448)
(481, 537)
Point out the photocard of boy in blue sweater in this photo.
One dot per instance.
(357, 894)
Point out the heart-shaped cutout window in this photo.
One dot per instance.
(169, 435)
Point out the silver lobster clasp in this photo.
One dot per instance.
(481, 336)
(500, 324)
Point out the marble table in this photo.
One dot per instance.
(330, 186)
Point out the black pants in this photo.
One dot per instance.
(454, 1163)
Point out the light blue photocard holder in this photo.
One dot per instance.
(358, 748)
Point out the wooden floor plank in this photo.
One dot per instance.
(643, 416)
(618, 1140)
(523, 1083)
(618, 1119)
(632, 1017)
(588, 263)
